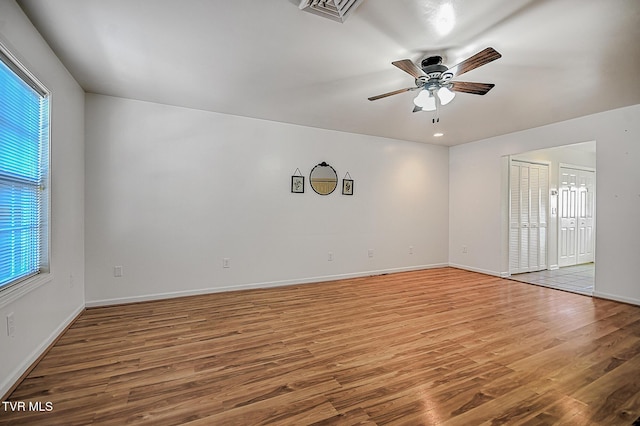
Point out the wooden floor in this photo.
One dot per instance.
(435, 347)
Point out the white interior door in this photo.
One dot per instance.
(567, 217)
(529, 197)
(586, 203)
(576, 216)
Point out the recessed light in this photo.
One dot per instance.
(437, 135)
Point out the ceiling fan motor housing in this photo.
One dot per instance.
(434, 72)
(431, 60)
(433, 67)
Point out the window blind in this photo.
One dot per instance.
(24, 139)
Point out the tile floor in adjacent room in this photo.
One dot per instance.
(577, 279)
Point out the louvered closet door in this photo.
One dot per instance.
(529, 187)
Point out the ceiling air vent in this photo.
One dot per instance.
(337, 10)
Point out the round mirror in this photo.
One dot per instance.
(324, 179)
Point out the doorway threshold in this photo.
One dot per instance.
(576, 279)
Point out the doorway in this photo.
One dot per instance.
(550, 225)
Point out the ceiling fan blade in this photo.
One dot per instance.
(409, 67)
(395, 92)
(473, 88)
(479, 59)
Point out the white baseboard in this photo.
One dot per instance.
(554, 267)
(617, 298)
(481, 271)
(13, 377)
(248, 286)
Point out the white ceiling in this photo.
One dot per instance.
(268, 59)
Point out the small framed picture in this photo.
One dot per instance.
(347, 186)
(297, 184)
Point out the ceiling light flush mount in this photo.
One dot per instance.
(336, 10)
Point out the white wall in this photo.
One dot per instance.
(172, 191)
(43, 313)
(476, 191)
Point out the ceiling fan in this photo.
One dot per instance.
(434, 80)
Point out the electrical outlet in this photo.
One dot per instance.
(464, 249)
(410, 249)
(330, 256)
(71, 281)
(11, 325)
(117, 271)
(370, 252)
(226, 262)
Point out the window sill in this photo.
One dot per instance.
(21, 289)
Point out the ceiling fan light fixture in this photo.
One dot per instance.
(425, 100)
(445, 95)
(433, 80)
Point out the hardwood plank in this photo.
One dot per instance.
(441, 346)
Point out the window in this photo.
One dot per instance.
(24, 165)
